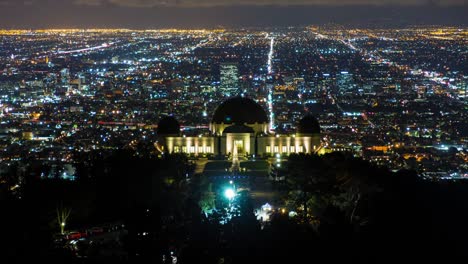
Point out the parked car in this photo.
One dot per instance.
(74, 235)
(97, 230)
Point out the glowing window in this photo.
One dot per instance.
(300, 149)
(284, 149)
(293, 149)
(176, 149)
(268, 149)
(276, 149)
(208, 149)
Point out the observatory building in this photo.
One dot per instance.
(240, 123)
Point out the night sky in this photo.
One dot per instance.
(227, 13)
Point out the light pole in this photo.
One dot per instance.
(231, 182)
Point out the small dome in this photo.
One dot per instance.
(168, 126)
(238, 129)
(308, 125)
(239, 110)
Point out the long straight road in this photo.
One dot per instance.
(270, 88)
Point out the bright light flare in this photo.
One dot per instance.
(229, 193)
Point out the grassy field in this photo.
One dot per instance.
(217, 165)
(259, 165)
(252, 168)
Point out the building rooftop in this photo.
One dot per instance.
(239, 110)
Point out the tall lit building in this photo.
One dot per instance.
(345, 81)
(65, 76)
(229, 79)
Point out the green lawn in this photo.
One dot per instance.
(217, 165)
(255, 165)
(253, 168)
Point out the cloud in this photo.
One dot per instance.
(119, 14)
(213, 3)
(220, 3)
(89, 2)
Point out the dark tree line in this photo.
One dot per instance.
(109, 188)
(347, 210)
(374, 214)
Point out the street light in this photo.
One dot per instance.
(62, 228)
(231, 182)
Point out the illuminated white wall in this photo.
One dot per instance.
(269, 145)
(232, 137)
(191, 145)
(288, 144)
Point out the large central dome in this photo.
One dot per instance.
(239, 110)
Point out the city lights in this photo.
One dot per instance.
(215, 144)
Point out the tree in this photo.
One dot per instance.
(309, 183)
(354, 180)
(207, 200)
(62, 215)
